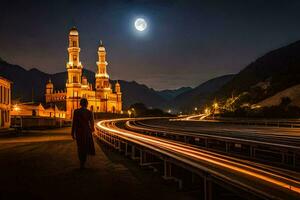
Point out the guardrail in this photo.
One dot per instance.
(266, 152)
(254, 179)
(289, 123)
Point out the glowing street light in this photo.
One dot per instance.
(16, 108)
(196, 109)
(129, 113)
(216, 105)
(206, 111)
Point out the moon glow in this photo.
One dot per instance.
(140, 24)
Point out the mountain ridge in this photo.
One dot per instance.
(280, 66)
(30, 84)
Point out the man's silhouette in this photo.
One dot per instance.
(82, 128)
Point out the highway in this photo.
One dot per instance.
(278, 135)
(262, 180)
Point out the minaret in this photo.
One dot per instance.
(49, 87)
(49, 91)
(102, 79)
(74, 68)
(119, 97)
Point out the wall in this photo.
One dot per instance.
(5, 103)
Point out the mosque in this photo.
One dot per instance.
(101, 99)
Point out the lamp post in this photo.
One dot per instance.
(215, 106)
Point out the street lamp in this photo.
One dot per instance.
(16, 108)
(216, 105)
(206, 111)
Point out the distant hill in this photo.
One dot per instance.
(171, 94)
(293, 93)
(269, 74)
(198, 96)
(31, 83)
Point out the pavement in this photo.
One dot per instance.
(44, 165)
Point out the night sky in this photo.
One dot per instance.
(186, 43)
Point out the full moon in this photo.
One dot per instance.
(140, 24)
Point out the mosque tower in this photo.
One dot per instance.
(102, 79)
(119, 96)
(49, 90)
(74, 69)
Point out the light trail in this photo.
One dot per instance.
(191, 117)
(206, 158)
(279, 136)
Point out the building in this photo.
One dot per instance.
(102, 99)
(5, 102)
(37, 110)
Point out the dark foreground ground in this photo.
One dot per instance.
(43, 165)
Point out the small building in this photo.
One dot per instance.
(5, 102)
(37, 110)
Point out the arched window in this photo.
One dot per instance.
(74, 44)
(74, 79)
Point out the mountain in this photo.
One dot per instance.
(171, 94)
(269, 74)
(30, 84)
(198, 96)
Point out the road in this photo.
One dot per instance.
(260, 179)
(43, 165)
(280, 135)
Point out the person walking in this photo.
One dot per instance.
(82, 129)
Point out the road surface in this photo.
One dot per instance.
(43, 165)
(279, 135)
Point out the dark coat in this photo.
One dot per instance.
(82, 128)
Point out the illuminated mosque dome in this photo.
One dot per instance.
(49, 84)
(73, 31)
(101, 46)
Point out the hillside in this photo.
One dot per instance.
(171, 94)
(269, 74)
(293, 93)
(31, 83)
(198, 96)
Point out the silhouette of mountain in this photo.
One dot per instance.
(200, 94)
(269, 74)
(30, 84)
(171, 94)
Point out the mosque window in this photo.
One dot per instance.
(74, 44)
(74, 79)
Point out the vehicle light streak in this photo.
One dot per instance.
(206, 157)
